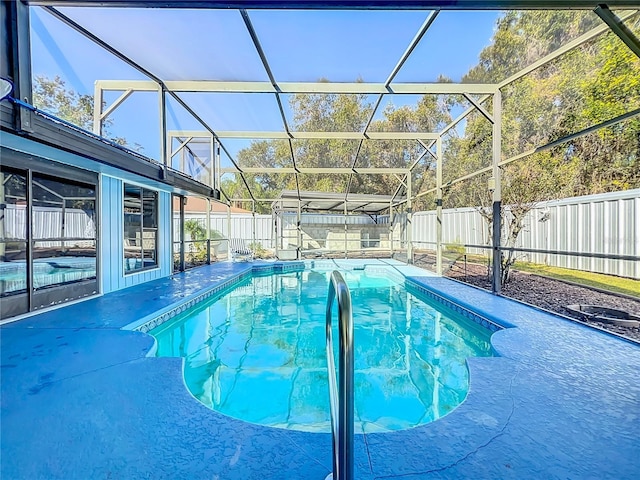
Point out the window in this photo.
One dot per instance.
(48, 240)
(13, 232)
(140, 228)
(63, 231)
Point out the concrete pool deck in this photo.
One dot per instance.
(81, 399)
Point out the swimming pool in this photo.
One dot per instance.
(258, 351)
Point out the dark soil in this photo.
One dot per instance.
(548, 293)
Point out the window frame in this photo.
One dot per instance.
(142, 228)
(32, 299)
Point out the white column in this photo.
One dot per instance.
(497, 191)
(409, 220)
(439, 206)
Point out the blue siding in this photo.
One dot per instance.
(111, 237)
(111, 229)
(164, 235)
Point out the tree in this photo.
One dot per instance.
(582, 88)
(340, 112)
(52, 96)
(586, 86)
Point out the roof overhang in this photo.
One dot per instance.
(332, 202)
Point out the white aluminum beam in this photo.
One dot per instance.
(439, 206)
(453, 123)
(560, 141)
(479, 107)
(190, 133)
(180, 147)
(443, 88)
(402, 135)
(463, 115)
(215, 86)
(314, 170)
(400, 179)
(329, 135)
(116, 104)
(412, 45)
(135, 85)
(584, 38)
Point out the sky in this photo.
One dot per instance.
(303, 46)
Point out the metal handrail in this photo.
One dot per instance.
(341, 395)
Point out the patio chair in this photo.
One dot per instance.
(239, 250)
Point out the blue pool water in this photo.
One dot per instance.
(258, 352)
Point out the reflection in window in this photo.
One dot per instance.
(64, 225)
(63, 232)
(140, 228)
(60, 268)
(13, 221)
(176, 202)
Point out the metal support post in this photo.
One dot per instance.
(209, 231)
(391, 228)
(212, 163)
(616, 25)
(218, 175)
(63, 225)
(229, 230)
(98, 99)
(29, 240)
(345, 229)
(439, 206)
(409, 220)
(182, 200)
(280, 226)
(3, 245)
(253, 222)
(274, 217)
(163, 128)
(299, 231)
(497, 191)
(19, 43)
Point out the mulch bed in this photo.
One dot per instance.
(548, 293)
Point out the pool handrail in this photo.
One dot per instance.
(341, 395)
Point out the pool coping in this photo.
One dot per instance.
(560, 399)
(154, 320)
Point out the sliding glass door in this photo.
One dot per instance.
(48, 236)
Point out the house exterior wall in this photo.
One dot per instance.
(112, 237)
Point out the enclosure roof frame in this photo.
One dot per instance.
(610, 23)
(340, 4)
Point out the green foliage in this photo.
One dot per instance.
(196, 249)
(612, 283)
(259, 251)
(587, 86)
(53, 96)
(581, 88)
(331, 112)
(455, 248)
(195, 230)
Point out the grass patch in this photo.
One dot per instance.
(598, 280)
